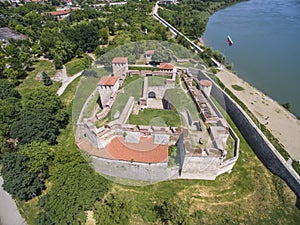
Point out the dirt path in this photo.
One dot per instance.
(283, 124)
(9, 214)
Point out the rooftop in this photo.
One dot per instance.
(108, 80)
(150, 52)
(166, 66)
(120, 60)
(206, 83)
(60, 13)
(145, 151)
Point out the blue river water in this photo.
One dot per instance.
(266, 45)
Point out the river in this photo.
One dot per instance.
(266, 45)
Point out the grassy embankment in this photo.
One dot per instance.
(78, 64)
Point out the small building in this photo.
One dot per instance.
(148, 56)
(119, 65)
(166, 67)
(61, 13)
(107, 86)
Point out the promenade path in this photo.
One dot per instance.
(9, 214)
(63, 77)
(66, 80)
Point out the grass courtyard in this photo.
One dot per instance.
(156, 117)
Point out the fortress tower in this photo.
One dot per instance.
(107, 87)
(119, 65)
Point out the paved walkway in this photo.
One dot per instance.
(62, 75)
(9, 214)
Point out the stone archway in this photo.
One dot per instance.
(151, 94)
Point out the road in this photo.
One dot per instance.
(9, 214)
(176, 32)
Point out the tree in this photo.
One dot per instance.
(74, 190)
(40, 155)
(114, 210)
(47, 80)
(104, 34)
(43, 114)
(19, 181)
(7, 90)
(174, 211)
(9, 110)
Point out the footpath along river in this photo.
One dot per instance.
(266, 45)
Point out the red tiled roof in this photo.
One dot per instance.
(150, 52)
(120, 60)
(60, 13)
(108, 80)
(166, 66)
(145, 151)
(117, 149)
(205, 83)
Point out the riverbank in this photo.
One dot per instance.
(282, 124)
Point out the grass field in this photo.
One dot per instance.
(182, 102)
(86, 86)
(134, 88)
(31, 82)
(156, 117)
(78, 64)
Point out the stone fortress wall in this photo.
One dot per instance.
(208, 165)
(255, 138)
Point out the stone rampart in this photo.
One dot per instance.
(255, 138)
(150, 172)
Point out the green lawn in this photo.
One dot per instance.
(78, 64)
(31, 82)
(134, 88)
(156, 117)
(86, 86)
(157, 80)
(182, 102)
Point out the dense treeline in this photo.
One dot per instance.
(191, 16)
(82, 31)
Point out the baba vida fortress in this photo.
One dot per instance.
(196, 149)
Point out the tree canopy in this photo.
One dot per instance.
(74, 191)
(19, 181)
(42, 115)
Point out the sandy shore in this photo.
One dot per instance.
(283, 124)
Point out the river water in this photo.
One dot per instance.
(266, 45)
